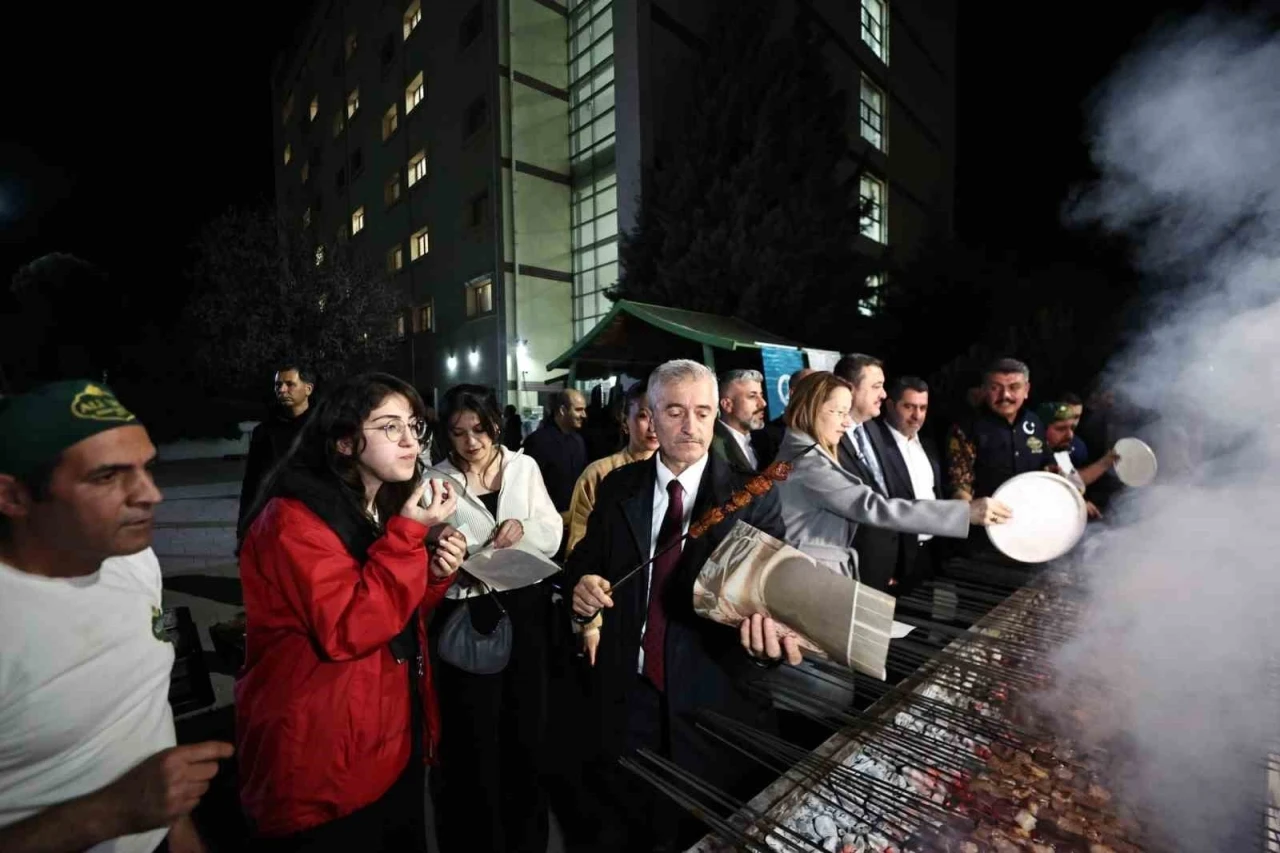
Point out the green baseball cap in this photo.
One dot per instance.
(37, 426)
(1053, 412)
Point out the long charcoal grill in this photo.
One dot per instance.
(937, 762)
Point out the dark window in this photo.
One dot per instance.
(388, 51)
(478, 210)
(477, 116)
(472, 26)
(357, 162)
(341, 179)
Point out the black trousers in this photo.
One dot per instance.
(490, 796)
(393, 823)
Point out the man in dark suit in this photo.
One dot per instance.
(654, 661)
(740, 434)
(913, 470)
(863, 456)
(293, 385)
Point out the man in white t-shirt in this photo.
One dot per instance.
(87, 754)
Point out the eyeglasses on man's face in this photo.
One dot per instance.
(395, 430)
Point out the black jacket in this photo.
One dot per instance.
(269, 443)
(761, 442)
(886, 554)
(706, 666)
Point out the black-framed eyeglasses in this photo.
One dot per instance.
(395, 430)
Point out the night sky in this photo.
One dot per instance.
(123, 134)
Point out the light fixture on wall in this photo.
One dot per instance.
(473, 358)
(522, 351)
(452, 363)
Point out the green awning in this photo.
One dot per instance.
(634, 337)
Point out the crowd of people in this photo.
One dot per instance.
(379, 639)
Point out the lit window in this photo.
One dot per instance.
(871, 197)
(306, 218)
(286, 112)
(427, 317)
(357, 220)
(479, 297)
(400, 326)
(319, 255)
(338, 123)
(875, 28)
(412, 17)
(476, 118)
(414, 93)
(395, 259)
(871, 113)
(391, 191)
(353, 102)
(288, 154)
(352, 42)
(390, 122)
(417, 167)
(871, 302)
(472, 26)
(314, 109)
(419, 244)
(306, 171)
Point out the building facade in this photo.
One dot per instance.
(490, 152)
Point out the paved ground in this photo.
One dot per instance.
(195, 541)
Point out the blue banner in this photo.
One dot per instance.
(779, 364)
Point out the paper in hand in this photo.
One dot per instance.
(509, 568)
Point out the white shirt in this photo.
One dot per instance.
(689, 481)
(744, 442)
(918, 467)
(84, 686)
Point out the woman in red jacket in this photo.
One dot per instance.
(335, 710)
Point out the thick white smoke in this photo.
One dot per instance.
(1185, 593)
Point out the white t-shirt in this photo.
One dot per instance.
(84, 686)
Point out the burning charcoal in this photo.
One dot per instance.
(825, 827)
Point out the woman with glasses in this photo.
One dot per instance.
(335, 708)
(490, 798)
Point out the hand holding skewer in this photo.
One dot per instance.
(592, 593)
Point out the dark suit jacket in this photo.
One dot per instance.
(880, 551)
(761, 442)
(706, 666)
(911, 566)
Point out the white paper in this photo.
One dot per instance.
(821, 359)
(900, 630)
(509, 568)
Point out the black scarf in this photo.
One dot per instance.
(356, 530)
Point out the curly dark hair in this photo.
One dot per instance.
(339, 417)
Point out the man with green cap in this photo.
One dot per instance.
(87, 750)
(1060, 419)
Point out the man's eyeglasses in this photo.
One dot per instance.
(395, 430)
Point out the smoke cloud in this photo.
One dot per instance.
(1183, 628)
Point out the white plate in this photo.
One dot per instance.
(1048, 517)
(1137, 464)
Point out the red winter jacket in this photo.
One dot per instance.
(322, 706)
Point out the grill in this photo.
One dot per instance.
(955, 756)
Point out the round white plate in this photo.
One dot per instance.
(1137, 464)
(1049, 517)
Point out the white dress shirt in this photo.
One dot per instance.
(744, 442)
(918, 467)
(689, 482)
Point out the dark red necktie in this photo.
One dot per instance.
(655, 632)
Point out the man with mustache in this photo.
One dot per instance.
(654, 662)
(1001, 440)
(87, 754)
(740, 434)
